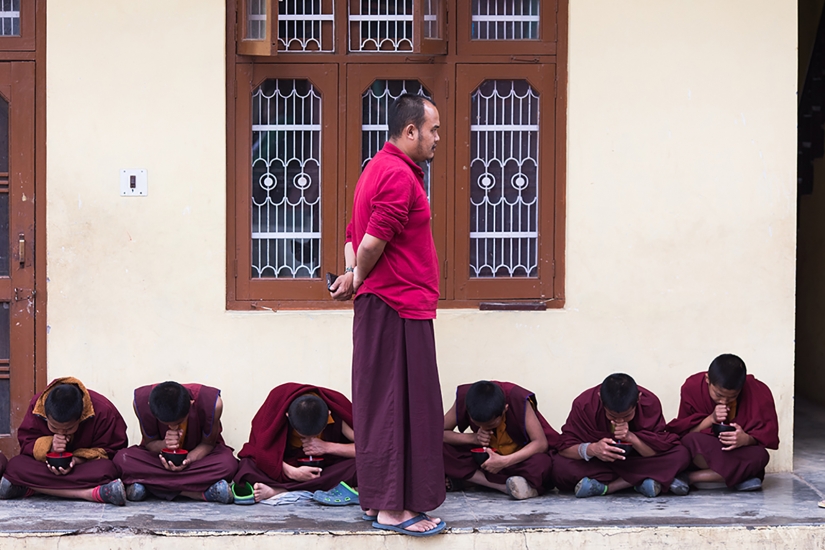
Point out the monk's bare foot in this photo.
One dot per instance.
(264, 492)
(394, 517)
(371, 512)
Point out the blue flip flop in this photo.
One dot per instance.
(402, 527)
(368, 517)
(340, 495)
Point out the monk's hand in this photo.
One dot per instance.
(483, 437)
(172, 439)
(620, 431)
(605, 451)
(62, 471)
(171, 467)
(302, 473)
(495, 463)
(734, 440)
(720, 413)
(59, 443)
(343, 287)
(312, 446)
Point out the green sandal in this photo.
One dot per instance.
(244, 493)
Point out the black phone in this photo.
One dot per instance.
(330, 279)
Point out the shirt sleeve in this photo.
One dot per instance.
(390, 206)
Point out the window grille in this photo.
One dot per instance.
(381, 26)
(306, 25)
(504, 145)
(9, 17)
(286, 175)
(505, 19)
(374, 129)
(256, 20)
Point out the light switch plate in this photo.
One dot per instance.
(133, 183)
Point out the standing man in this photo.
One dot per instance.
(392, 268)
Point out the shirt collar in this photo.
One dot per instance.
(395, 151)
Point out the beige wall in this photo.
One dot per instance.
(680, 212)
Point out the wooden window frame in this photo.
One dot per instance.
(546, 44)
(354, 71)
(268, 46)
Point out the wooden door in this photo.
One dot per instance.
(17, 308)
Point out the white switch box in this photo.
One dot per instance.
(133, 183)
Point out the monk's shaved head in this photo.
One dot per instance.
(485, 401)
(170, 402)
(619, 392)
(308, 415)
(64, 403)
(727, 372)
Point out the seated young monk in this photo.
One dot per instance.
(174, 416)
(68, 418)
(298, 421)
(504, 420)
(618, 412)
(727, 394)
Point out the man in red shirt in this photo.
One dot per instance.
(392, 268)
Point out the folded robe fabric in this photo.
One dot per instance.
(588, 423)
(270, 427)
(755, 410)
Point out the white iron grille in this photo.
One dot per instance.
(256, 20)
(286, 180)
(306, 25)
(381, 26)
(374, 129)
(9, 17)
(505, 20)
(504, 140)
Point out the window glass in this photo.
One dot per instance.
(504, 145)
(9, 17)
(255, 20)
(432, 28)
(505, 20)
(286, 176)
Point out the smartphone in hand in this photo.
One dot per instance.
(330, 279)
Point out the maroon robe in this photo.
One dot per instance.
(100, 434)
(755, 412)
(458, 460)
(397, 410)
(262, 457)
(139, 465)
(588, 423)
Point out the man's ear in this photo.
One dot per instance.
(707, 379)
(506, 407)
(410, 131)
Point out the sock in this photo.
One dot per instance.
(96, 494)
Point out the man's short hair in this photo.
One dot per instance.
(619, 392)
(406, 109)
(484, 401)
(308, 415)
(728, 372)
(170, 402)
(64, 403)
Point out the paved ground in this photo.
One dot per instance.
(787, 499)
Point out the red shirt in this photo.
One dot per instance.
(391, 204)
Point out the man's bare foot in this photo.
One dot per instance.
(394, 517)
(263, 492)
(371, 512)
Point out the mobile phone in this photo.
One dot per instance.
(330, 279)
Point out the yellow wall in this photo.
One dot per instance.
(680, 213)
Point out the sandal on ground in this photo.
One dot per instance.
(402, 527)
(243, 493)
(369, 517)
(340, 495)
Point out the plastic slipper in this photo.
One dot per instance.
(244, 493)
(402, 527)
(366, 517)
(340, 495)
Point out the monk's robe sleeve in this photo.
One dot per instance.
(649, 424)
(109, 431)
(763, 425)
(33, 435)
(579, 427)
(391, 204)
(691, 411)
